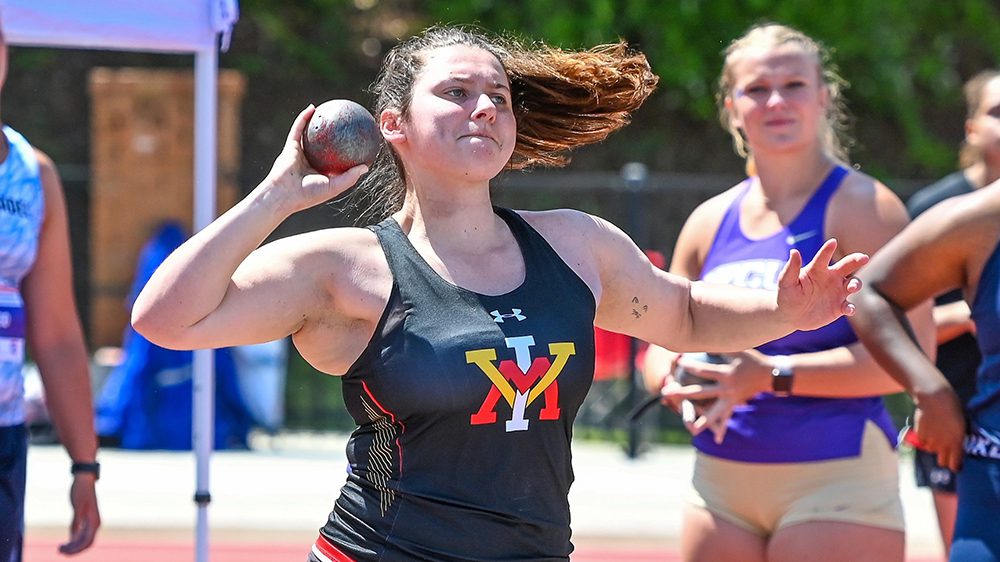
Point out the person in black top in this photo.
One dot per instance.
(463, 333)
(958, 354)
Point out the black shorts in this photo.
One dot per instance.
(13, 463)
(931, 475)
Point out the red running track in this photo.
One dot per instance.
(109, 549)
(133, 550)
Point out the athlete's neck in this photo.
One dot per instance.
(469, 225)
(787, 175)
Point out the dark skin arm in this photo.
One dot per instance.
(934, 254)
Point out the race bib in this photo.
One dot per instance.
(11, 332)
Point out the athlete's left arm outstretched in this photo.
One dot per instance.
(641, 300)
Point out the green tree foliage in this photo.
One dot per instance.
(905, 60)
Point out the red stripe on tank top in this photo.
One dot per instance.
(392, 417)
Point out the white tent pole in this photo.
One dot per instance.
(205, 148)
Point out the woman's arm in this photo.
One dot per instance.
(56, 341)
(212, 291)
(686, 261)
(953, 320)
(643, 301)
(926, 259)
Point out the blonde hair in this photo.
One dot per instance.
(561, 100)
(833, 132)
(969, 155)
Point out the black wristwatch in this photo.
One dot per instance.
(86, 468)
(782, 376)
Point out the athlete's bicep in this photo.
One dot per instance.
(637, 298)
(927, 258)
(272, 293)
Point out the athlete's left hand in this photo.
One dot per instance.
(86, 517)
(746, 375)
(815, 295)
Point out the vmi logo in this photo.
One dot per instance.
(520, 382)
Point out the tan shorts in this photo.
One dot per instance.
(764, 497)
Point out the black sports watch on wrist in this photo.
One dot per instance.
(782, 376)
(86, 468)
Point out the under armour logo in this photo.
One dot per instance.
(514, 313)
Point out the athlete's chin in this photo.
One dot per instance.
(782, 145)
(484, 168)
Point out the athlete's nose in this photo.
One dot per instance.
(485, 108)
(775, 98)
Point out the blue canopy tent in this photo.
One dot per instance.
(179, 26)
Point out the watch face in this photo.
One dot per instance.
(781, 382)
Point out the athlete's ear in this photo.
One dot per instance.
(734, 118)
(824, 97)
(390, 122)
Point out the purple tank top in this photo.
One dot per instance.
(795, 428)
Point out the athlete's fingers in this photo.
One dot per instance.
(951, 458)
(849, 264)
(694, 423)
(717, 418)
(853, 284)
(789, 275)
(705, 370)
(824, 255)
(692, 391)
(299, 125)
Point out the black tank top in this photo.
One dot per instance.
(465, 406)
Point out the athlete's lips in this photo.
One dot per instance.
(779, 122)
(480, 134)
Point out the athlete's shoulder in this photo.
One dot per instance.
(702, 224)
(561, 217)
(859, 189)
(864, 214)
(569, 224)
(343, 246)
(713, 208)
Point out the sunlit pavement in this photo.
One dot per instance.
(269, 502)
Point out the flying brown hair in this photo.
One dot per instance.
(561, 99)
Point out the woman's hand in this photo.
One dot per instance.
(815, 295)
(940, 424)
(298, 185)
(746, 374)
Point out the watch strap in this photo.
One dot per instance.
(782, 375)
(86, 468)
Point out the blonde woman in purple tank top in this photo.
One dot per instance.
(799, 458)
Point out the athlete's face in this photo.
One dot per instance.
(983, 129)
(460, 120)
(777, 99)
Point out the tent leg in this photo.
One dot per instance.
(203, 424)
